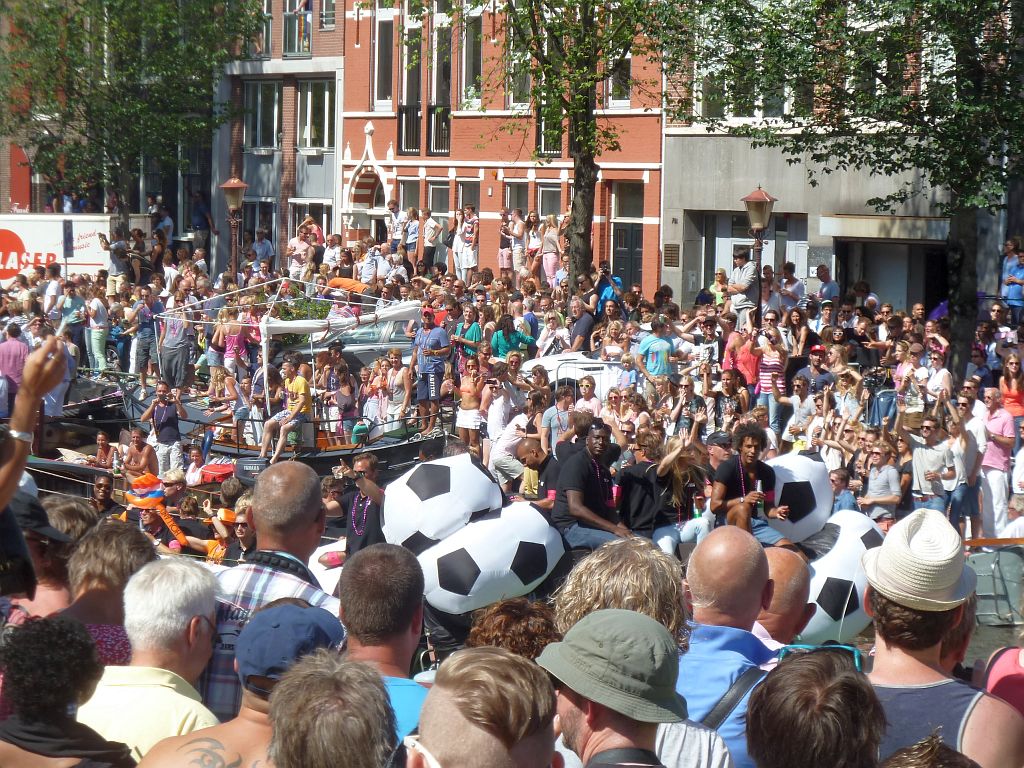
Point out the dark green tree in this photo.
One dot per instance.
(928, 88)
(92, 87)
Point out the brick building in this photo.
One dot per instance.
(358, 104)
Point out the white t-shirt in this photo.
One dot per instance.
(98, 321)
(509, 437)
(50, 300)
(1014, 530)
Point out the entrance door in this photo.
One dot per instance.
(627, 252)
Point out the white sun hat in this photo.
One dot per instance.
(921, 565)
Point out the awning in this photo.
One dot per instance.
(881, 227)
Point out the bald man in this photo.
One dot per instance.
(489, 707)
(288, 515)
(790, 609)
(728, 585)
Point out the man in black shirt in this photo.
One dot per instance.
(584, 509)
(362, 504)
(102, 497)
(744, 490)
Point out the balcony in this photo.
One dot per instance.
(409, 129)
(260, 44)
(298, 34)
(439, 129)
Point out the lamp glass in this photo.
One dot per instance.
(234, 192)
(759, 205)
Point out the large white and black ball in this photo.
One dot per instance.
(801, 483)
(437, 498)
(838, 580)
(507, 554)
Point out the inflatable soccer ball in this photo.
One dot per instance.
(837, 577)
(801, 483)
(435, 499)
(505, 555)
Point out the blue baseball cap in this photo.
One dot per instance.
(274, 639)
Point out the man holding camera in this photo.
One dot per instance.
(609, 288)
(164, 411)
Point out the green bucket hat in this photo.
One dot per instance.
(623, 660)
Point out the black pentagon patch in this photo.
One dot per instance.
(530, 562)
(418, 543)
(820, 544)
(480, 465)
(838, 598)
(430, 480)
(457, 572)
(798, 495)
(871, 538)
(484, 514)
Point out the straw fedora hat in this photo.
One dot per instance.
(920, 565)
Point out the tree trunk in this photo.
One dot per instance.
(582, 123)
(961, 262)
(124, 180)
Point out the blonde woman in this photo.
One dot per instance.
(554, 337)
(549, 249)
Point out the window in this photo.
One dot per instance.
(629, 200)
(519, 79)
(327, 14)
(620, 83)
(517, 195)
(472, 60)
(408, 193)
(469, 194)
(316, 113)
(321, 213)
(442, 66)
(260, 214)
(412, 71)
(384, 58)
(298, 28)
(549, 200)
(260, 44)
(736, 97)
(262, 114)
(438, 196)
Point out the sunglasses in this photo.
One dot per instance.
(799, 648)
(962, 405)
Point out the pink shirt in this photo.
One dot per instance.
(12, 361)
(996, 456)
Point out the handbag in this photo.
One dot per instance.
(449, 238)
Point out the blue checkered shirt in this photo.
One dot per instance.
(243, 589)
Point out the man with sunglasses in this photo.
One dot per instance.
(582, 326)
(932, 460)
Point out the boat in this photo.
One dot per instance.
(397, 444)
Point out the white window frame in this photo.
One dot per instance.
(413, 27)
(384, 16)
(468, 99)
(518, 58)
(403, 202)
(516, 184)
(789, 98)
(304, 101)
(616, 192)
(544, 190)
(300, 209)
(613, 103)
(249, 123)
(461, 191)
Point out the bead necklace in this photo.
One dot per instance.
(356, 529)
(605, 484)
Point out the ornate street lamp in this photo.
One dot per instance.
(759, 206)
(234, 191)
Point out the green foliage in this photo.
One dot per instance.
(889, 86)
(95, 85)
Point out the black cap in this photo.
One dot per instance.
(720, 439)
(32, 517)
(675, 379)
(515, 296)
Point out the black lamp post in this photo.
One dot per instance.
(234, 191)
(759, 206)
